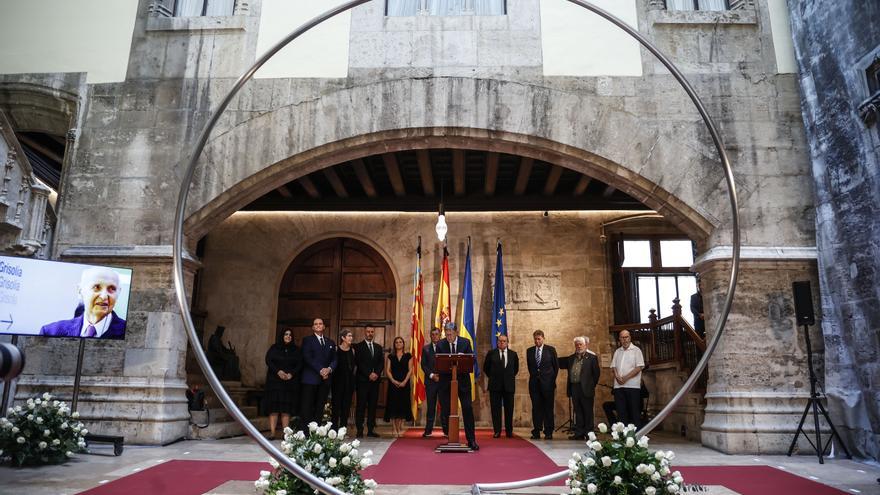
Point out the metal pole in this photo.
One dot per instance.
(78, 374)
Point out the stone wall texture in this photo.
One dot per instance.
(640, 135)
(833, 42)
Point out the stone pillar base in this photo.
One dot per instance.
(142, 411)
(757, 423)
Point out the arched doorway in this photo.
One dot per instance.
(345, 282)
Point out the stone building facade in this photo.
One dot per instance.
(437, 82)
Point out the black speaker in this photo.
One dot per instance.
(803, 303)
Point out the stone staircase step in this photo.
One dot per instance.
(225, 429)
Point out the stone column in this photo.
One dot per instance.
(758, 378)
(134, 388)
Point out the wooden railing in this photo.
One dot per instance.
(666, 340)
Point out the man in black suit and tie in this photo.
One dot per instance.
(319, 361)
(543, 368)
(583, 376)
(432, 385)
(454, 345)
(370, 359)
(501, 366)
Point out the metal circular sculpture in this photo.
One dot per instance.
(180, 287)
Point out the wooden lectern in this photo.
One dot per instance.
(453, 363)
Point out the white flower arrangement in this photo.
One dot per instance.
(42, 432)
(622, 465)
(323, 452)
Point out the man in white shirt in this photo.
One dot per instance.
(627, 365)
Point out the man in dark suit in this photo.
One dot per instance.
(98, 290)
(697, 310)
(319, 361)
(501, 366)
(543, 367)
(454, 345)
(432, 385)
(583, 376)
(370, 358)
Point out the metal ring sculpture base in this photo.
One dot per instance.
(180, 287)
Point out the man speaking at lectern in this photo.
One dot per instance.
(454, 345)
(98, 290)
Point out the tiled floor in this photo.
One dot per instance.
(88, 471)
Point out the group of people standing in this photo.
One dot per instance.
(299, 380)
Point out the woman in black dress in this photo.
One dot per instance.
(398, 369)
(343, 380)
(284, 362)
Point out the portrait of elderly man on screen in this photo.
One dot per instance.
(98, 290)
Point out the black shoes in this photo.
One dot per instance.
(548, 437)
(496, 435)
(509, 434)
(426, 434)
(473, 445)
(535, 436)
(372, 434)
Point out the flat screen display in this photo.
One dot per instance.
(57, 299)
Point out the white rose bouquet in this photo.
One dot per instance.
(324, 453)
(622, 465)
(42, 431)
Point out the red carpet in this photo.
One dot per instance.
(755, 480)
(412, 461)
(181, 478)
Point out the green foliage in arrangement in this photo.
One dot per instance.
(622, 465)
(324, 453)
(43, 431)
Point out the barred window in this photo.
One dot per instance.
(400, 8)
(697, 5)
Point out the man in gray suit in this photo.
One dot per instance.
(583, 376)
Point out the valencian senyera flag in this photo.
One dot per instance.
(466, 328)
(499, 312)
(417, 337)
(443, 314)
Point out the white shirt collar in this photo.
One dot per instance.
(100, 328)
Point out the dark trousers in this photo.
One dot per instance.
(610, 412)
(367, 399)
(583, 410)
(340, 406)
(314, 397)
(499, 400)
(542, 408)
(432, 393)
(628, 402)
(467, 407)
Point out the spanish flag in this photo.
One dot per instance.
(466, 327)
(417, 337)
(443, 314)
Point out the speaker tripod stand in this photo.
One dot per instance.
(814, 403)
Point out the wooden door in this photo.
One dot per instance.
(343, 281)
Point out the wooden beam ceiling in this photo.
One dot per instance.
(491, 173)
(552, 180)
(458, 171)
(522, 177)
(284, 191)
(427, 177)
(581, 185)
(360, 170)
(394, 176)
(335, 183)
(309, 186)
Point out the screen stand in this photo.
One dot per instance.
(117, 441)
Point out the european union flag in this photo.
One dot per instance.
(499, 315)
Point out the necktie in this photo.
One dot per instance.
(370, 345)
(538, 357)
(321, 341)
(434, 348)
(453, 347)
(91, 331)
(503, 359)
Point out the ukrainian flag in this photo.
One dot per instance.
(466, 327)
